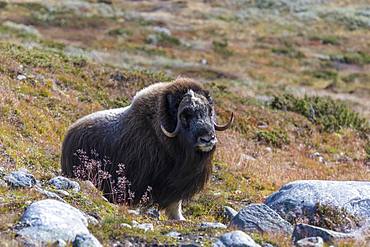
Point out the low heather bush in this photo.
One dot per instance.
(329, 114)
(96, 169)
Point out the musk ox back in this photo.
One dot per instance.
(164, 140)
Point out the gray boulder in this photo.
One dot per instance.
(62, 183)
(48, 221)
(310, 242)
(235, 239)
(299, 198)
(260, 218)
(302, 231)
(20, 179)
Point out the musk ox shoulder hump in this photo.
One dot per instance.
(103, 114)
(150, 90)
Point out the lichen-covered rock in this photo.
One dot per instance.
(260, 218)
(235, 239)
(310, 242)
(304, 231)
(63, 183)
(47, 221)
(86, 240)
(299, 198)
(20, 179)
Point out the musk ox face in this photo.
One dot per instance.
(195, 122)
(196, 117)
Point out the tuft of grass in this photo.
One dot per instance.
(276, 138)
(326, 39)
(3, 4)
(221, 47)
(325, 75)
(163, 39)
(327, 113)
(119, 32)
(357, 58)
(288, 51)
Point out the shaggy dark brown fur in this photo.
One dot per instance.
(133, 137)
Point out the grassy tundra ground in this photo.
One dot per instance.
(60, 60)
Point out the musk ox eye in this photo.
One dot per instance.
(185, 116)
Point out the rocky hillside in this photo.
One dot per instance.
(295, 73)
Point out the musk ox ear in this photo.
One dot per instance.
(172, 105)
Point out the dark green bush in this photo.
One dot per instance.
(221, 47)
(276, 138)
(288, 51)
(329, 114)
(359, 58)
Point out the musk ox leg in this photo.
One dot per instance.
(174, 212)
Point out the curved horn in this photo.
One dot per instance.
(226, 126)
(174, 133)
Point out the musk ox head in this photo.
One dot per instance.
(195, 120)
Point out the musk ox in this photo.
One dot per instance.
(165, 139)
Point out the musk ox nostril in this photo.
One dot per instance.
(206, 139)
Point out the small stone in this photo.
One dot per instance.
(229, 212)
(262, 125)
(3, 184)
(125, 225)
(63, 183)
(20, 179)
(246, 157)
(152, 39)
(268, 149)
(62, 192)
(21, 77)
(49, 194)
(92, 220)
(86, 240)
(144, 226)
(310, 242)
(163, 30)
(153, 213)
(134, 212)
(235, 239)
(206, 225)
(173, 234)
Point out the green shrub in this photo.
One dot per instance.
(276, 138)
(329, 114)
(359, 58)
(288, 51)
(221, 47)
(326, 40)
(325, 74)
(119, 32)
